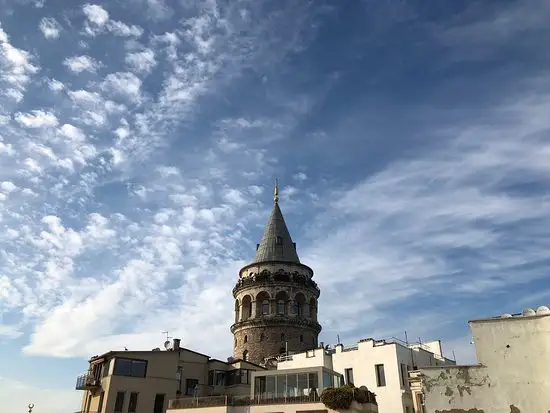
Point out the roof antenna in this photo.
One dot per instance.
(276, 191)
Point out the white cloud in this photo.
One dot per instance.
(122, 29)
(123, 84)
(49, 27)
(79, 64)
(142, 62)
(36, 119)
(72, 132)
(96, 14)
(16, 67)
(55, 85)
(300, 176)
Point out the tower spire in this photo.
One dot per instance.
(276, 191)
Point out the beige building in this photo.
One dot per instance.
(144, 381)
(275, 298)
(380, 365)
(281, 391)
(512, 374)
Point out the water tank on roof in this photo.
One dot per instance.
(528, 311)
(543, 310)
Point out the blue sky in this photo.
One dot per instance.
(139, 142)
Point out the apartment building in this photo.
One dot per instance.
(511, 375)
(380, 365)
(144, 381)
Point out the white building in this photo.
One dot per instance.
(380, 365)
(512, 375)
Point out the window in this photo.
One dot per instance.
(190, 385)
(119, 402)
(246, 339)
(282, 336)
(130, 368)
(132, 404)
(301, 338)
(159, 403)
(404, 375)
(279, 240)
(281, 307)
(238, 376)
(220, 378)
(100, 405)
(262, 337)
(380, 375)
(265, 307)
(349, 376)
(245, 355)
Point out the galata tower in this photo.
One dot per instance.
(275, 298)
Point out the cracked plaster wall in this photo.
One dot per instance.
(514, 378)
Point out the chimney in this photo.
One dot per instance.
(176, 345)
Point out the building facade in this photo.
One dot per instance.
(511, 375)
(144, 381)
(380, 365)
(275, 298)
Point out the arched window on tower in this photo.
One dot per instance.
(282, 299)
(265, 307)
(298, 305)
(246, 339)
(245, 355)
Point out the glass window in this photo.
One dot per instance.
(349, 376)
(380, 375)
(259, 386)
(220, 378)
(327, 379)
(281, 385)
(313, 381)
(270, 386)
(132, 404)
(119, 401)
(100, 406)
(243, 376)
(129, 367)
(265, 307)
(302, 384)
(291, 385)
(280, 307)
(158, 407)
(190, 385)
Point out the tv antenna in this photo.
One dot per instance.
(167, 343)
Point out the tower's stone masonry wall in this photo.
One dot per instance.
(272, 344)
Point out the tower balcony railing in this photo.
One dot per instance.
(270, 278)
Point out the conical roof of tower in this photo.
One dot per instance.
(276, 243)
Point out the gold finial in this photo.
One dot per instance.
(30, 406)
(276, 191)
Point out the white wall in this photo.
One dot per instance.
(311, 358)
(514, 354)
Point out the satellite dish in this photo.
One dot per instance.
(167, 345)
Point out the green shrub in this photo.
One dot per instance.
(340, 398)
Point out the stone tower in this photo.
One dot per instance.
(275, 298)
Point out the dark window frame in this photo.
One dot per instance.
(348, 375)
(132, 362)
(190, 385)
(159, 396)
(133, 402)
(380, 375)
(119, 401)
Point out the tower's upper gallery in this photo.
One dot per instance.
(276, 243)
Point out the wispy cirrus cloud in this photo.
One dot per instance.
(136, 178)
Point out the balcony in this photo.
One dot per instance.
(87, 381)
(220, 401)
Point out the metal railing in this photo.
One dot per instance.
(86, 381)
(217, 401)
